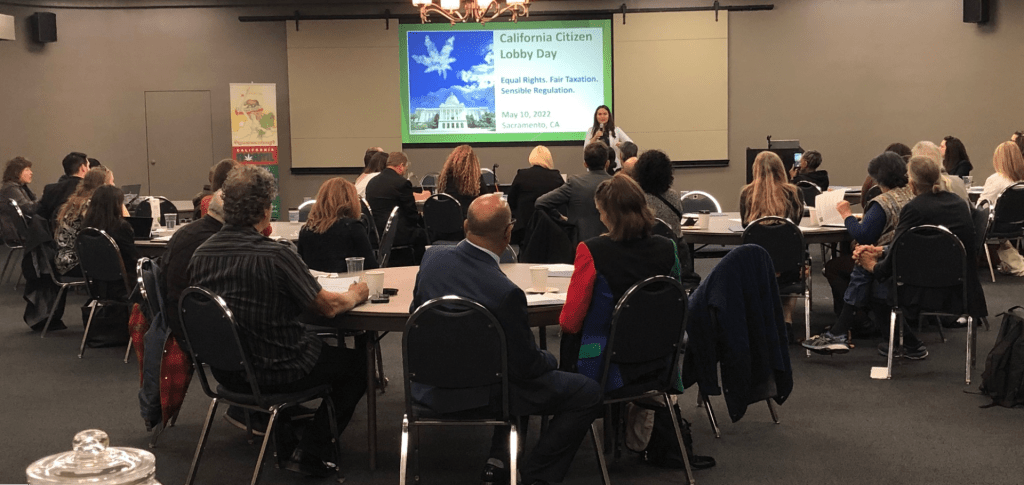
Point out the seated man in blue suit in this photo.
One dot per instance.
(471, 270)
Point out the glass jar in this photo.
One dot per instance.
(93, 461)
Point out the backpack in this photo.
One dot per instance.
(1003, 379)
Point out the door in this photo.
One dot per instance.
(179, 143)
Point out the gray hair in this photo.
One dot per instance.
(248, 192)
(927, 149)
(216, 209)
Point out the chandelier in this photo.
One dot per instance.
(482, 11)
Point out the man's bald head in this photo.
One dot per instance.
(488, 218)
(629, 165)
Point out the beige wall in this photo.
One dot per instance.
(845, 77)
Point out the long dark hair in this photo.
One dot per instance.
(609, 127)
(955, 153)
(104, 210)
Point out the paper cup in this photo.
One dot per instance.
(703, 220)
(355, 265)
(293, 216)
(539, 277)
(375, 280)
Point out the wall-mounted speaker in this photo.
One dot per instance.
(44, 27)
(976, 11)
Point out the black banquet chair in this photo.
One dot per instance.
(929, 258)
(442, 215)
(646, 337)
(387, 240)
(810, 192)
(697, 200)
(212, 336)
(1006, 220)
(785, 244)
(104, 273)
(435, 353)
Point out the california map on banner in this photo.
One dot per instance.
(254, 128)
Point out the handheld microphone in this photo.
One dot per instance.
(602, 126)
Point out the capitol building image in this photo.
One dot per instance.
(451, 115)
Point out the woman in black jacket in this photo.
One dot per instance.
(106, 212)
(333, 231)
(17, 176)
(954, 157)
(529, 184)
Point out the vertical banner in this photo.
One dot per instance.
(254, 128)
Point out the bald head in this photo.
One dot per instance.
(628, 165)
(488, 222)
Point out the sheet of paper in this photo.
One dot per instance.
(879, 373)
(162, 238)
(337, 285)
(545, 299)
(825, 207)
(559, 270)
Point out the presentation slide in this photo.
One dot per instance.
(531, 81)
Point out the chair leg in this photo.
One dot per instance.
(600, 455)
(711, 415)
(128, 351)
(892, 338)
(332, 419)
(513, 452)
(382, 380)
(807, 313)
(970, 353)
(263, 448)
(85, 335)
(3, 273)
(771, 409)
(405, 450)
(202, 442)
(56, 303)
(988, 257)
(679, 439)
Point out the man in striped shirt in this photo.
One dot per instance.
(267, 287)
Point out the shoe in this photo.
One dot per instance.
(236, 416)
(912, 353)
(494, 473)
(309, 465)
(700, 462)
(827, 343)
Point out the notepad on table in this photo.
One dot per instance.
(337, 285)
(540, 299)
(559, 271)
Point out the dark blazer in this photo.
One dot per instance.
(174, 264)
(578, 194)
(944, 209)
(21, 194)
(386, 191)
(529, 184)
(55, 195)
(346, 238)
(468, 272)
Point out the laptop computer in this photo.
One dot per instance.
(131, 192)
(142, 226)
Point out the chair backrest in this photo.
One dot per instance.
(100, 259)
(1008, 211)
(661, 228)
(647, 325)
(781, 238)
(810, 191)
(212, 336)
(166, 207)
(981, 215)
(387, 240)
(488, 178)
(928, 256)
(873, 192)
(442, 214)
(454, 343)
(304, 209)
(696, 201)
(149, 285)
(508, 256)
(429, 181)
(366, 215)
(12, 223)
